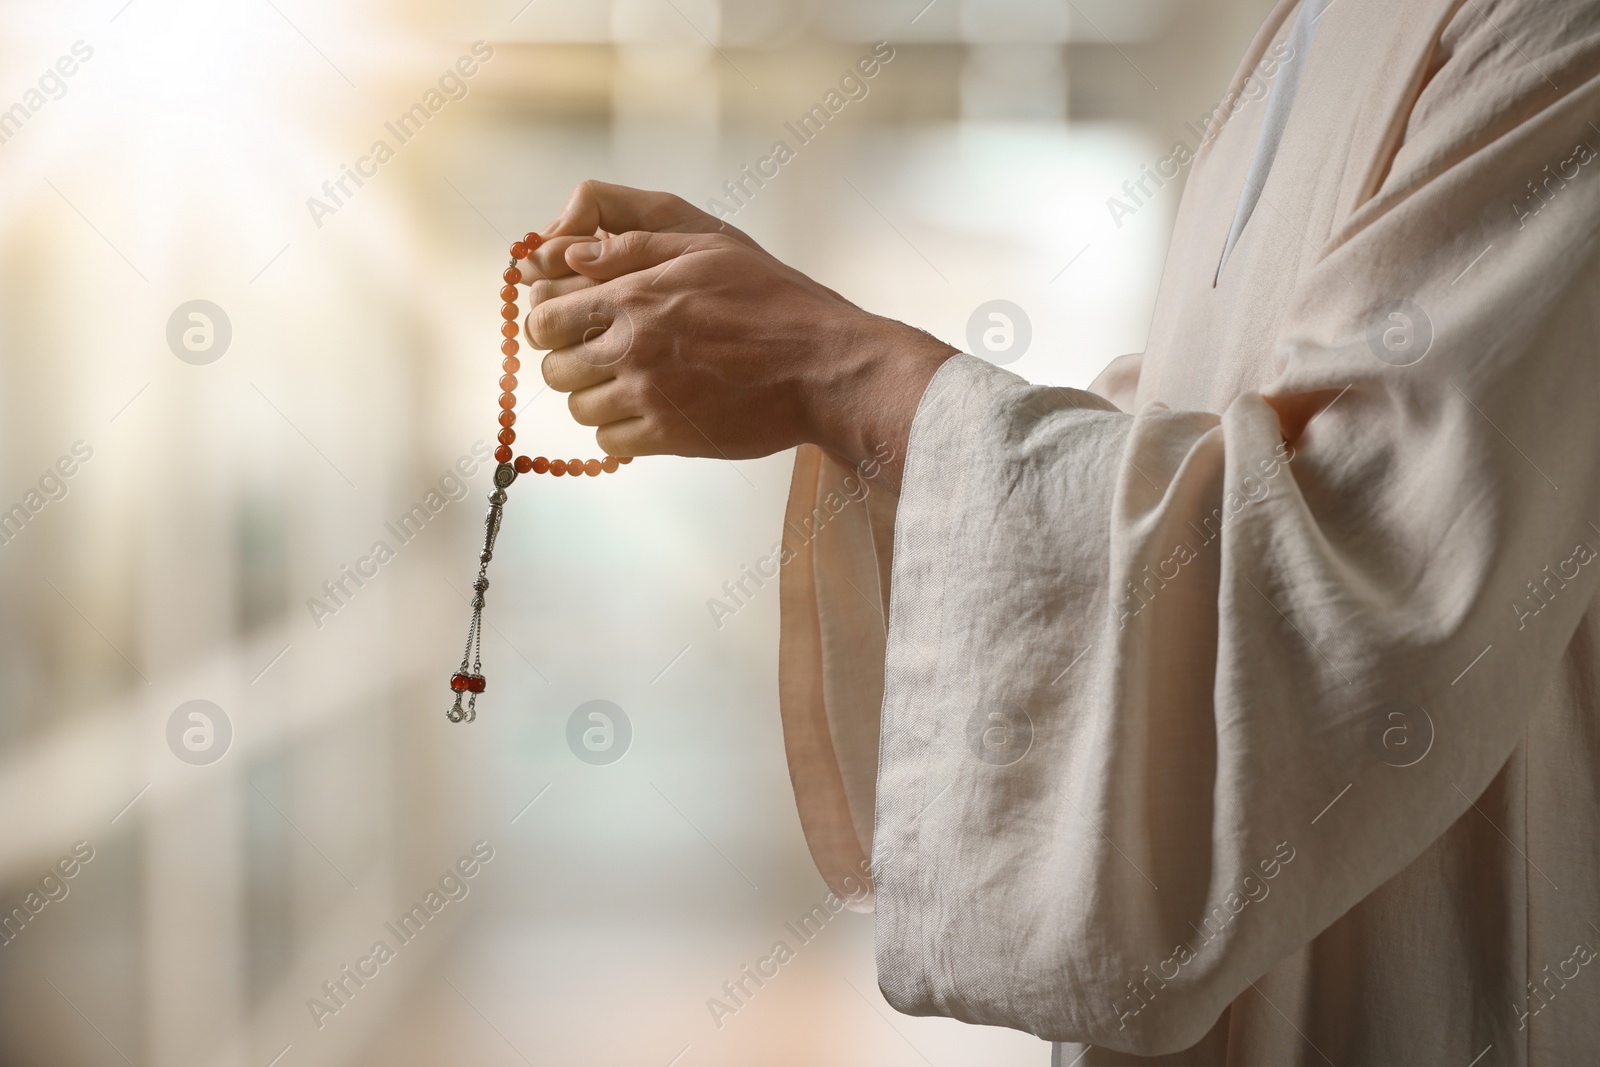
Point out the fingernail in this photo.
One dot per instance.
(587, 252)
(550, 226)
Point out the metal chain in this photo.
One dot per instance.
(472, 654)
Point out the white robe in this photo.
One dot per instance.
(1247, 711)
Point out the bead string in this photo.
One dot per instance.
(468, 681)
(508, 384)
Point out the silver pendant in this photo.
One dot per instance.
(468, 681)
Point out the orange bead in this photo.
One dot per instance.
(507, 418)
(474, 683)
(610, 465)
(624, 459)
(558, 467)
(532, 240)
(540, 465)
(509, 329)
(509, 347)
(508, 382)
(524, 464)
(507, 401)
(507, 436)
(512, 276)
(574, 467)
(591, 467)
(511, 364)
(503, 454)
(508, 311)
(509, 294)
(519, 251)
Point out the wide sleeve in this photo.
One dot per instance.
(1168, 693)
(833, 591)
(836, 550)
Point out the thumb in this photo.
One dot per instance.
(636, 250)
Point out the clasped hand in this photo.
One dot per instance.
(675, 333)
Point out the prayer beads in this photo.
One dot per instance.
(468, 681)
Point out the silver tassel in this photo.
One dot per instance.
(468, 682)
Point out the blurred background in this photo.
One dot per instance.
(229, 370)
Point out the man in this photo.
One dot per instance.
(1244, 712)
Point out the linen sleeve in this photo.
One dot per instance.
(835, 557)
(834, 592)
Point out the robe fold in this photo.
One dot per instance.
(1243, 710)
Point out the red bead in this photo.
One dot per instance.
(508, 311)
(509, 294)
(509, 347)
(507, 436)
(519, 251)
(502, 454)
(509, 329)
(532, 240)
(524, 464)
(511, 364)
(574, 467)
(540, 465)
(512, 276)
(508, 382)
(609, 465)
(467, 683)
(507, 401)
(624, 459)
(507, 418)
(558, 467)
(592, 468)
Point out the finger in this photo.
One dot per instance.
(540, 291)
(597, 206)
(628, 437)
(549, 259)
(607, 401)
(569, 319)
(566, 371)
(635, 251)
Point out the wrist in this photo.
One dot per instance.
(864, 410)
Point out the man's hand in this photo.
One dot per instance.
(595, 210)
(681, 335)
